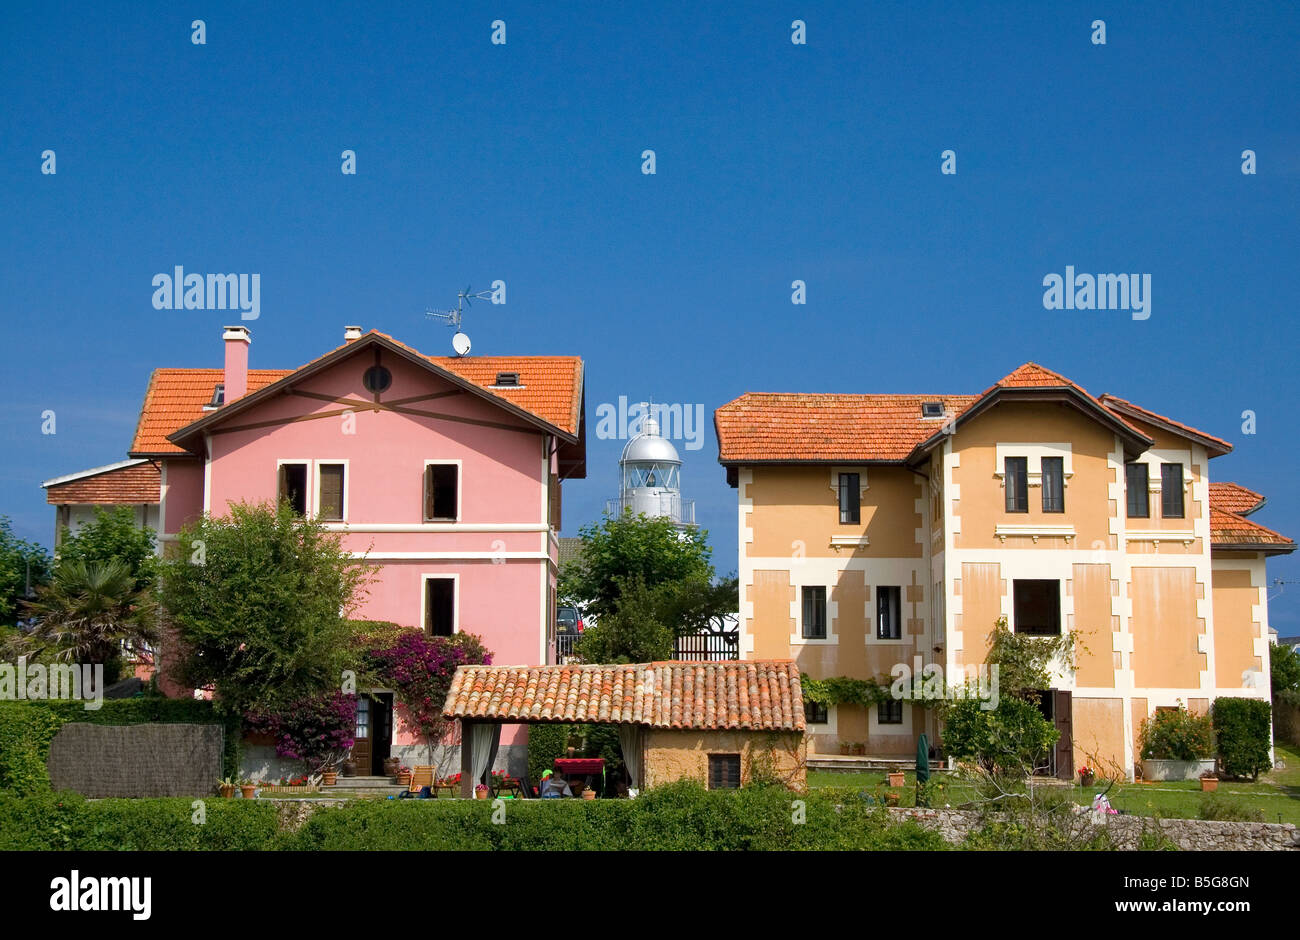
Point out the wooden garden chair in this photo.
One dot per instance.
(421, 777)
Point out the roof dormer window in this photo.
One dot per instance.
(932, 409)
(507, 380)
(218, 398)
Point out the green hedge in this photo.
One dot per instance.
(27, 728)
(1241, 727)
(44, 821)
(680, 816)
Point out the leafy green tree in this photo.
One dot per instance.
(113, 534)
(1013, 739)
(620, 549)
(637, 630)
(257, 601)
(646, 581)
(86, 615)
(19, 561)
(1284, 665)
(1025, 660)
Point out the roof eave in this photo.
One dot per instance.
(182, 436)
(1267, 548)
(1213, 446)
(1134, 442)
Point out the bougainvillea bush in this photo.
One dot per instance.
(419, 668)
(317, 731)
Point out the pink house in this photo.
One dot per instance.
(444, 472)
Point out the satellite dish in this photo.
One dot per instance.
(460, 343)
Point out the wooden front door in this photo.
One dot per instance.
(362, 747)
(1063, 718)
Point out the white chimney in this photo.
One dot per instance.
(350, 333)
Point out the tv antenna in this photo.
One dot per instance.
(459, 341)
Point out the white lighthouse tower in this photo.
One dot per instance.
(650, 479)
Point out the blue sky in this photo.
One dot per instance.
(775, 162)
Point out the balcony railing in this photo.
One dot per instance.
(674, 507)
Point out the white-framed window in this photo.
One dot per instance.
(293, 479)
(440, 604)
(442, 491)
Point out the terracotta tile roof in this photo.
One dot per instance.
(1119, 407)
(1234, 498)
(757, 694)
(1230, 529)
(759, 426)
(176, 397)
(114, 485)
(550, 388)
(764, 427)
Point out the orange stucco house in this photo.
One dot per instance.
(878, 530)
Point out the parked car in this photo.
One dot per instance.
(568, 621)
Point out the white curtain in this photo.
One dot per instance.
(484, 739)
(630, 738)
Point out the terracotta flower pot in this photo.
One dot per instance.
(227, 791)
(404, 780)
(480, 794)
(891, 799)
(1087, 780)
(1209, 784)
(248, 790)
(588, 794)
(846, 747)
(329, 777)
(896, 779)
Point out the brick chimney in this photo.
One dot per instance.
(350, 333)
(236, 373)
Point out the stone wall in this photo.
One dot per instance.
(1189, 834)
(153, 759)
(674, 755)
(259, 761)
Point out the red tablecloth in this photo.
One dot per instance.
(580, 765)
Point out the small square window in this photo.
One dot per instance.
(724, 771)
(815, 714)
(1037, 606)
(890, 712)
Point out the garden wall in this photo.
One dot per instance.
(1188, 834)
(136, 760)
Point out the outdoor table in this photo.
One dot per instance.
(584, 767)
(510, 786)
(453, 789)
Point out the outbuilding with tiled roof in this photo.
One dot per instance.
(722, 723)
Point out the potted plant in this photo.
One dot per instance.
(391, 766)
(896, 778)
(891, 798)
(403, 776)
(247, 788)
(227, 787)
(349, 766)
(588, 794)
(1209, 782)
(328, 775)
(846, 747)
(481, 792)
(1086, 776)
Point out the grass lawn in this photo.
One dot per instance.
(1276, 795)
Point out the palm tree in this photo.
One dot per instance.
(87, 614)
